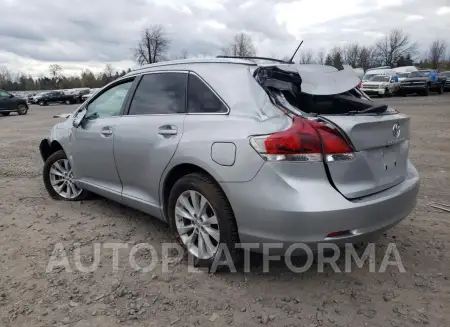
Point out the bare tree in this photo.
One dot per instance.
(436, 52)
(337, 55)
(183, 55)
(152, 46)
(109, 71)
(242, 46)
(321, 57)
(366, 58)
(306, 57)
(391, 48)
(351, 54)
(55, 71)
(5, 77)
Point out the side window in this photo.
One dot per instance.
(4, 94)
(160, 93)
(201, 99)
(110, 102)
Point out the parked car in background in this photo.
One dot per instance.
(78, 93)
(378, 71)
(446, 76)
(88, 95)
(46, 98)
(240, 153)
(422, 82)
(403, 72)
(381, 85)
(10, 103)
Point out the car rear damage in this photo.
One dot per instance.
(363, 145)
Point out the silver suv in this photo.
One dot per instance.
(228, 151)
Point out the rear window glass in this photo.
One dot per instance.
(201, 99)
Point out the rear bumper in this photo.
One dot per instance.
(273, 208)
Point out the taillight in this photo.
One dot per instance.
(304, 141)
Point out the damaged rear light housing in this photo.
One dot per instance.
(305, 141)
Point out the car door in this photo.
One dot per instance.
(91, 144)
(147, 137)
(6, 101)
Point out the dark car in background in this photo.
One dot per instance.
(422, 82)
(446, 76)
(10, 103)
(46, 98)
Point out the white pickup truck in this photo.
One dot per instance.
(381, 85)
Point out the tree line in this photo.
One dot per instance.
(395, 49)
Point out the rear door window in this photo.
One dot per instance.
(159, 94)
(201, 99)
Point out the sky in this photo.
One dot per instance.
(79, 34)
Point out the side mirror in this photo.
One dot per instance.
(78, 118)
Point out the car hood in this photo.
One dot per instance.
(323, 80)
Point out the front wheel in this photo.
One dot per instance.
(22, 109)
(441, 89)
(59, 180)
(202, 218)
(68, 102)
(426, 92)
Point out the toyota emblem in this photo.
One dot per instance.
(396, 130)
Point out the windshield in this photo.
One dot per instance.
(401, 75)
(380, 78)
(368, 77)
(419, 74)
(42, 93)
(445, 74)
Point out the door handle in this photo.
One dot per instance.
(106, 131)
(167, 130)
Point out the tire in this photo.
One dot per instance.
(42, 103)
(59, 155)
(441, 89)
(203, 185)
(22, 109)
(5, 113)
(68, 102)
(426, 92)
(387, 93)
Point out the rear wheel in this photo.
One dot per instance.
(202, 219)
(22, 109)
(42, 103)
(68, 102)
(59, 180)
(5, 113)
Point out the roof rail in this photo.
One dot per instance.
(258, 58)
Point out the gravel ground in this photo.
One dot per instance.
(31, 224)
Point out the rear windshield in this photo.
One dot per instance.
(380, 78)
(403, 75)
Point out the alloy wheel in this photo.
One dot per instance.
(197, 224)
(62, 179)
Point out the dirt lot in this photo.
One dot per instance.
(31, 224)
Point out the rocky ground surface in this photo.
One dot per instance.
(31, 224)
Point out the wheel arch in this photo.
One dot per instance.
(178, 172)
(48, 148)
